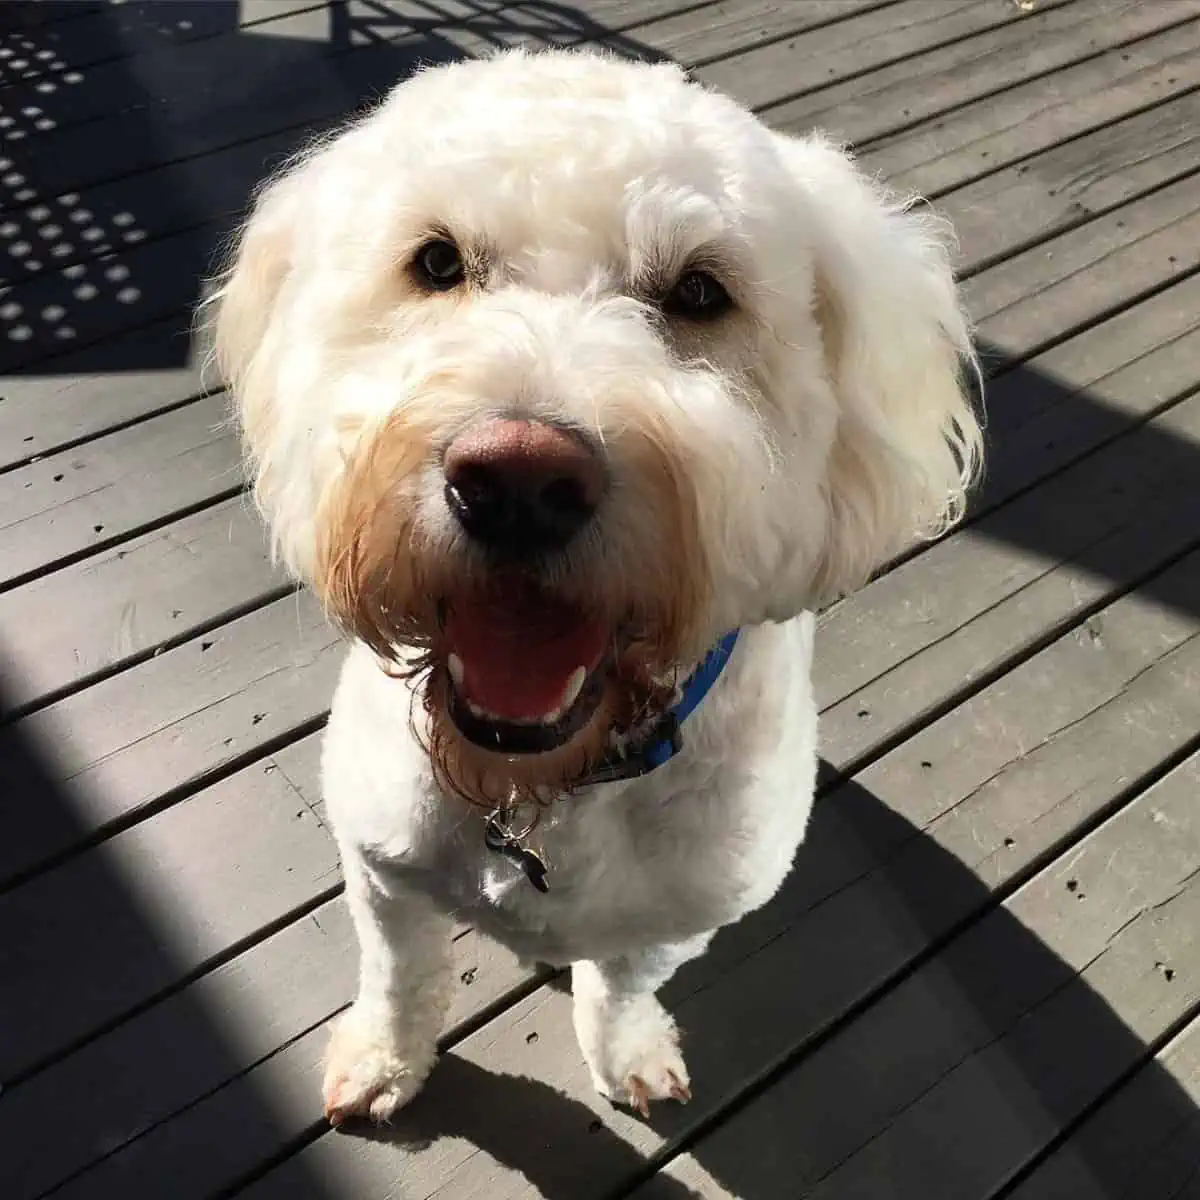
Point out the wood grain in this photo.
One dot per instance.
(116, 608)
(979, 602)
(1071, 184)
(100, 388)
(970, 1065)
(1027, 45)
(1035, 298)
(979, 137)
(66, 505)
(93, 761)
(234, 1018)
(871, 42)
(214, 186)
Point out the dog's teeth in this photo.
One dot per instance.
(476, 711)
(455, 666)
(573, 688)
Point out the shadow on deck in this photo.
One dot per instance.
(63, 130)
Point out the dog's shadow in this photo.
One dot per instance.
(855, 937)
(518, 1122)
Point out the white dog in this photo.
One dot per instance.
(571, 389)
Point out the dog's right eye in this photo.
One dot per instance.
(439, 265)
(697, 296)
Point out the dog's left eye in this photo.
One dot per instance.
(697, 295)
(439, 265)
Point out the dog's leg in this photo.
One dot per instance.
(384, 1046)
(628, 1039)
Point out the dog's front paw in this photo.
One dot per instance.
(657, 1073)
(632, 1051)
(371, 1070)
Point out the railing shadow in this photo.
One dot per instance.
(81, 200)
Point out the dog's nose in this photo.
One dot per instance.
(522, 488)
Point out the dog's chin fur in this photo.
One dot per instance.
(759, 463)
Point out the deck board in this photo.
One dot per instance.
(978, 137)
(981, 979)
(214, 186)
(156, 590)
(257, 637)
(1044, 292)
(268, 991)
(130, 742)
(196, 464)
(188, 233)
(99, 389)
(1064, 187)
(974, 605)
(225, 178)
(102, 46)
(976, 1060)
(64, 506)
(208, 891)
(872, 42)
(1142, 1144)
(868, 106)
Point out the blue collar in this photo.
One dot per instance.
(666, 740)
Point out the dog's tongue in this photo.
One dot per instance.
(519, 650)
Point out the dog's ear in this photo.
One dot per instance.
(897, 347)
(239, 311)
(239, 323)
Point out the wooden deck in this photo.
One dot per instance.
(983, 977)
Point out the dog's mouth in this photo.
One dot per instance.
(526, 668)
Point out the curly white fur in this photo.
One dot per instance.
(820, 428)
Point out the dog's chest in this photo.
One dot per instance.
(630, 870)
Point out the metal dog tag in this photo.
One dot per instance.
(498, 837)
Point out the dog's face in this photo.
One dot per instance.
(555, 368)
